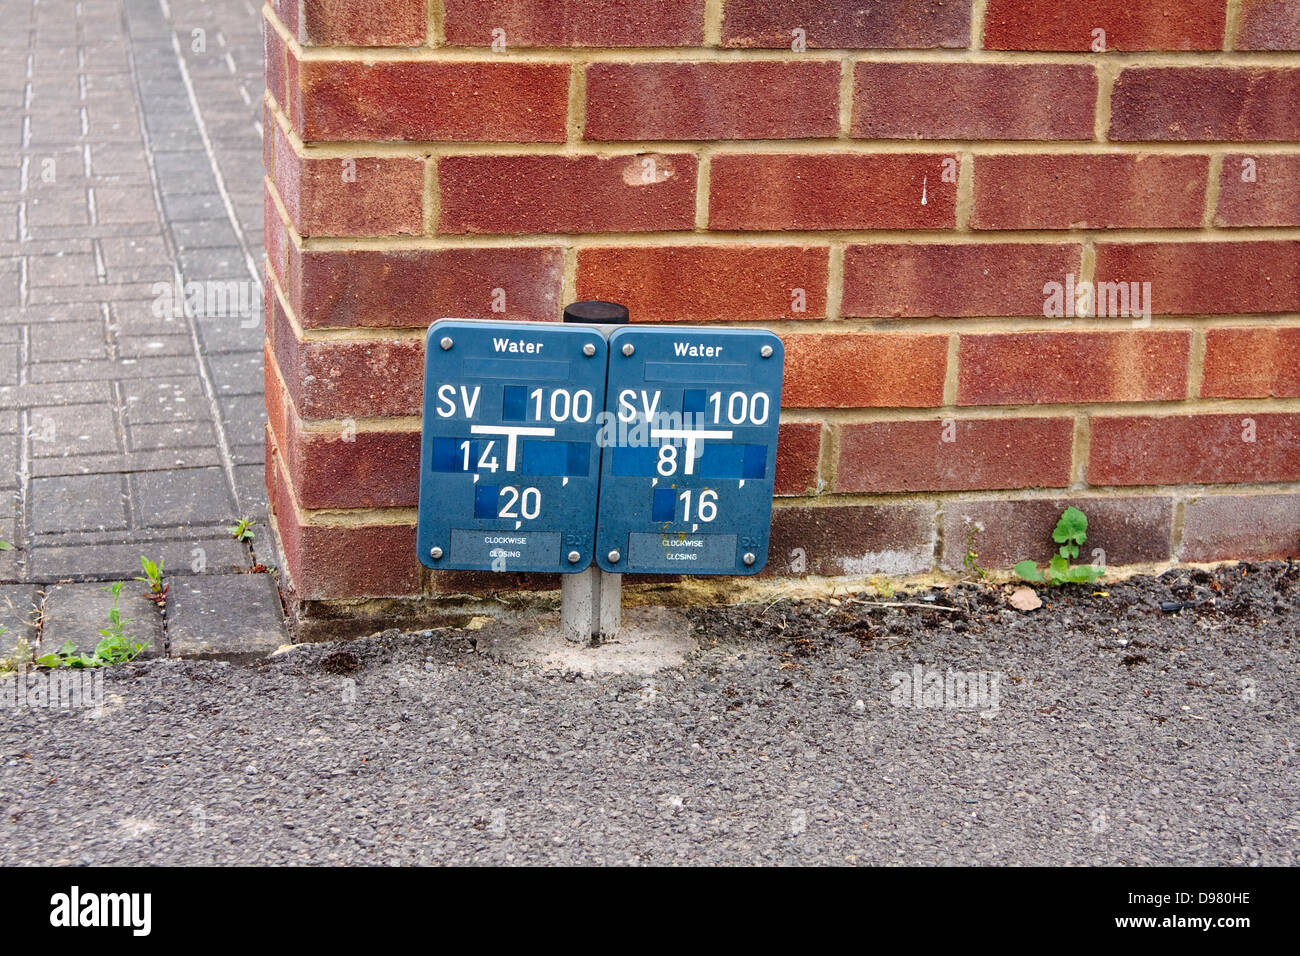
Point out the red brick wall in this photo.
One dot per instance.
(888, 185)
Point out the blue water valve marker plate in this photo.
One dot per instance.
(509, 463)
(689, 462)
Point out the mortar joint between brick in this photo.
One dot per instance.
(828, 463)
(703, 188)
(713, 17)
(1080, 448)
(576, 115)
(1213, 181)
(965, 191)
(1232, 25)
(432, 198)
(569, 277)
(436, 31)
(1196, 365)
(1177, 526)
(835, 282)
(978, 11)
(952, 372)
(1107, 73)
(848, 67)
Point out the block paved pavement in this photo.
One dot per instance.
(130, 166)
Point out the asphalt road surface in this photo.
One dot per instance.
(1100, 729)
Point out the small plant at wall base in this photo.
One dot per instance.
(114, 647)
(242, 530)
(18, 658)
(153, 577)
(972, 559)
(1070, 532)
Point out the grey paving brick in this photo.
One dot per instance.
(244, 417)
(61, 269)
(75, 613)
(228, 617)
(55, 393)
(164, 399)
(52, 561)
(231, 334)
(79, 370)
(77, 502)
(67, 430)
(177, 434)
(155, 346)
(182, 497)
(238, 373)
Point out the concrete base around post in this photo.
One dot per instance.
(651, 639)
(591, 606)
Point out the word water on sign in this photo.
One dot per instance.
(687, 479)
(509, 462)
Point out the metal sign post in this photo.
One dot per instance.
(591, 603)
(513, 475)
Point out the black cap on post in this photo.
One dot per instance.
(596, 312)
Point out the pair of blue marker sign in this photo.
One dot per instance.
(547, 447)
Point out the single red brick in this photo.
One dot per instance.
(1255, 362)
(863, 370)
(1069, 24)
(428, 100)
(273, 57)
(1262, 190)
(1269, 25)
(274, 236)
(961, 455)
(939, 101)
(1052, 191)
(712, 100)
(831, 191)
(1237, 104)
(344, 379)
(533, 23)
(1241, 527)
(365, 22)
(707, 283)
(1127, 530)
(847, 24)
(343, 561)
(851, 539)
(799, 448)
(369, 470)
(1148, 450)
(926, 279)
(354, 196)
(412, 288)
(1015, 368)
(550, 194)
(1212, 278)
